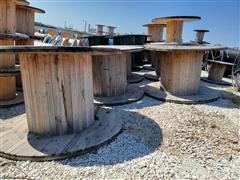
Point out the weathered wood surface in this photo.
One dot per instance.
(216, 71)
(132, 94)
(180, 71)
(7, 88)
(97, 50)
(155, 32)
(25, 21)
(174, 31)
(109, 75)
(204, 95)
(7, 61)
(17, 143)
(58, 92)
(182, 47)
(22, 2)
(8, 16)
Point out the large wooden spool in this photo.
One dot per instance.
(175, 26)
(58, 92)
(180, 67)
(180, 71)
(110, 73)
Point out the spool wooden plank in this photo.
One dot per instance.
(19, 144)
(132, 94)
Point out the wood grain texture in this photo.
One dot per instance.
(155, 33)
(7, 88)
(216, 71)
(8, 16)
(58, 92)
(180, 72)
(109, 75)
(174, 31)
(7, 60)
(19, 144)
(25, 21)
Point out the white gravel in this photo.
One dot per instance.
(159, 141)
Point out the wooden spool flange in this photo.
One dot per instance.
(155, 32)
(17, 143)
(180, 67)
(110, 76)
(152, 76)
(204, 95)
(175, 26)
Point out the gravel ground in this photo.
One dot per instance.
(159, 141)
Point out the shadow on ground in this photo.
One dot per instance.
(8, 113)
(141, 136)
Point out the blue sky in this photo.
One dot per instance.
(221, 17)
